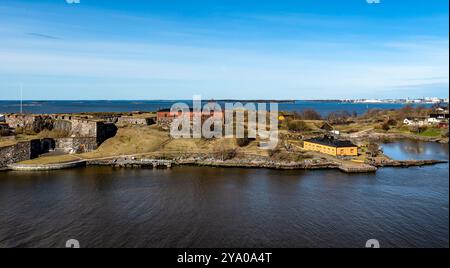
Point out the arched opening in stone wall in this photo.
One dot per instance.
(48, 145)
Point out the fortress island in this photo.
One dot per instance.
(141, 140)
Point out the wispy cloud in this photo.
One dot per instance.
(42, 35)
(270, 55)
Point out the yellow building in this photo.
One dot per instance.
(331, 146)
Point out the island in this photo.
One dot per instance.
(307, 140)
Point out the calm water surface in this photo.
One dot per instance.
(152, 105)
(206, 207)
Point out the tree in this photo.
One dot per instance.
(391, 122)
(338, 117)
(310, 114)
(373, 149)
(406, 111)
(385, 126)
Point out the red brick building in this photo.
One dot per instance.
(165, 116)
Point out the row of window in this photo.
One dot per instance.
(329, 149)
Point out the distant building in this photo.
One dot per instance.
(408, 121)
(335, 132)
(443, 125)
(2, 118)
(165, 116)
(331, 146)
(415, 121)
(439, 116)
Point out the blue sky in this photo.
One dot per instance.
(303, 49)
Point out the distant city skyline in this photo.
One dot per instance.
(161, 50)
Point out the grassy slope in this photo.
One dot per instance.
(51, 160)
(431, 132)
(131, 140)
(7, 142)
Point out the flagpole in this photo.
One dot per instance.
(21, 99)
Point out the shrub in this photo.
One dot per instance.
(307, 114)
(226, 154)
(373, 149)
(4, 132)
(297, 125)
(310, 114)
(385, 126)
(445, 134)
(273, 152)
(391, 122)
(54, 134)
(40, 124)
(339, 117)
(418, 129)
(25, 131)
(242, 142)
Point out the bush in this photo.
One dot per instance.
(25, 130)
(418, 129)
(54, 134)
(226, 154)
(391, 122)
(298, 125)
(307, 114)
(339, 117)
(310, 114)
(4, 132)
(373, 149)
(273, 152)
(385, 126)
(45, 123)
(445, 134)
(242, 142)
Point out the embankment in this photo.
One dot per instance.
(47, 167)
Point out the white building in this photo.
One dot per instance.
(408, 121)
(433, 120)
(335, 132)
(2, 118)
(415, 122)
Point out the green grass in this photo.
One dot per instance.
(431, 132)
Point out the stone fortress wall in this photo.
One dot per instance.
(82, 133)
(25, 150)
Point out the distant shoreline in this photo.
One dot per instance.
(405, 101)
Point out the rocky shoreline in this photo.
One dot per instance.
(409, 163)
(390, 137)
(310, 164)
